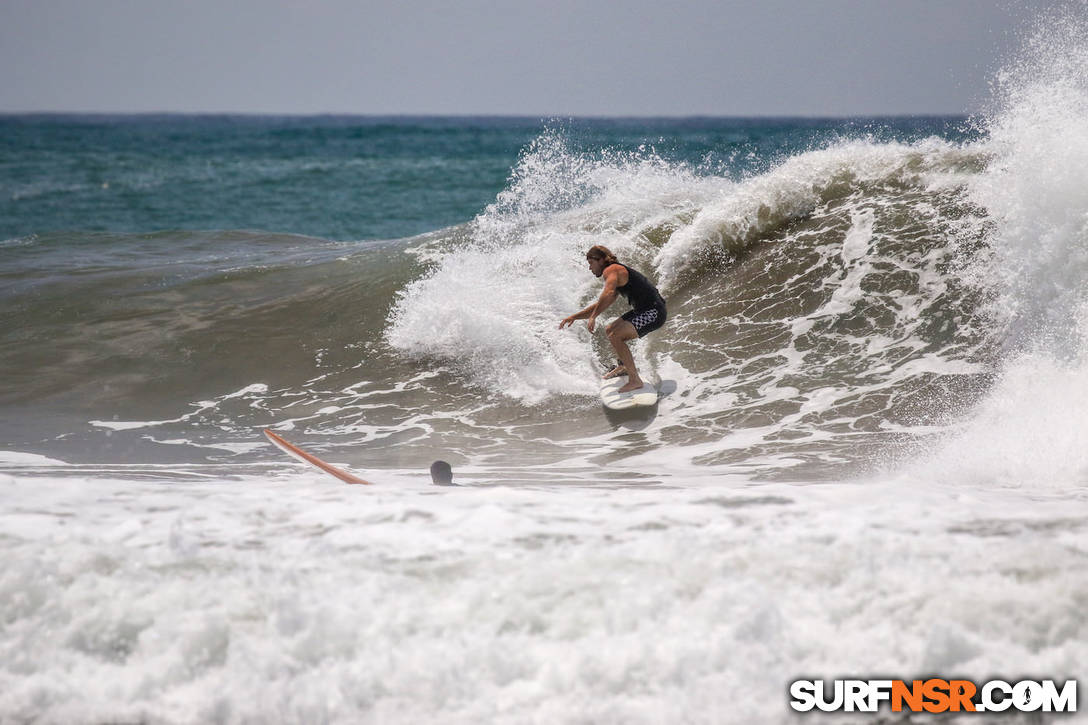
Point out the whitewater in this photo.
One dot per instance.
(868, 459)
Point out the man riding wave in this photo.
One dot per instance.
(646, 315)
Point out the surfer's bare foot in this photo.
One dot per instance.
(615, 372)
(631, 385)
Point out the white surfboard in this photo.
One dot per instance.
(614, 399)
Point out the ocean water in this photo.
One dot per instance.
(868, 459)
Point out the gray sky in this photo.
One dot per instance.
(540, 58)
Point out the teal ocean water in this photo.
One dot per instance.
(342, 178)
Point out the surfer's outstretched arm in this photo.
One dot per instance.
(580, 315)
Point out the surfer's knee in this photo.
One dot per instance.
(622, 333)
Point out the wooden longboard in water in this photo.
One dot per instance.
(296, 452)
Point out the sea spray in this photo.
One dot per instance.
(1030, 430)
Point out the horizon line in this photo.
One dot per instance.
(518, 116)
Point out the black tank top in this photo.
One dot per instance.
(639, 292)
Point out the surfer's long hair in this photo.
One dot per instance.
(599, 252)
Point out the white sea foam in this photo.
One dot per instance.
(202, 407)
(297, 599)
(1032, 428)
(17, 458)
(1034, 188)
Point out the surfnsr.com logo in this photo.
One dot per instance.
(933, 696)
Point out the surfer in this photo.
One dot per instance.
(647, 311)
(442, 474)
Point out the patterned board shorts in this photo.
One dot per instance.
(646, 321)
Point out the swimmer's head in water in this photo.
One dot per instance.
(441, 473)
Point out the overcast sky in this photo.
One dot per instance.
(536, 58)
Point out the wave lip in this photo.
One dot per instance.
(761, 205)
